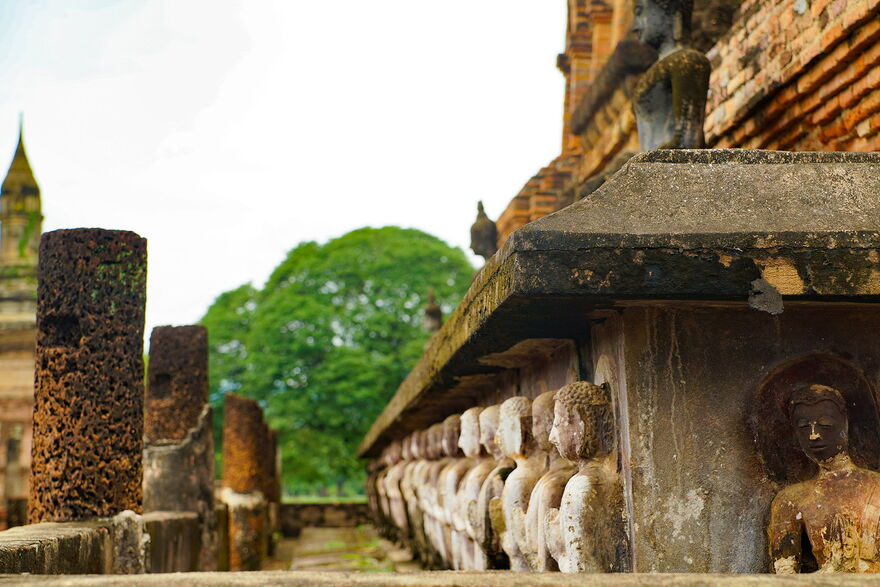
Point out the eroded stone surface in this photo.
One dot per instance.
(88, 417)
(243, 443)
(177, 381)
(247, 529)
(179, 477)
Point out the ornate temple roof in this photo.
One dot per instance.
(20, 177)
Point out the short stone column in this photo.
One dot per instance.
(243, 485)
(87, 444)
(179, 444)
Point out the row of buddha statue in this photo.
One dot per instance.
(534, 486)
(524, 485)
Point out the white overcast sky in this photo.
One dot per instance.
(226, 132)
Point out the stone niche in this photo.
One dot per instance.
(703, 287)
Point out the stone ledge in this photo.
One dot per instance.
(670, 225)
(57, 548)
(442, 579)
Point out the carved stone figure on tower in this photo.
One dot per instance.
(484, 234)
(839, 509)
(670, 98)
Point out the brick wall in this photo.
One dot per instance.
(799, 75)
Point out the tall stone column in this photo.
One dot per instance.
(88, 424)
(89, 388)
(243, 484)
(179, 451)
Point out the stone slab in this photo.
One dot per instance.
(57, 548)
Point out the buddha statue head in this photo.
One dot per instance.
(583, 422)
(435, 441)
(515, 427)
(818, 414)
(469, 441)
(489, 419)
(542, 420)
(663, 24)
(451, 432)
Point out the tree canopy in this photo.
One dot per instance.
(328, 339)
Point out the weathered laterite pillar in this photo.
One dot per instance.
(89, 387)
(273, 485)
(243, 485)
(179, 451)
(267, 481)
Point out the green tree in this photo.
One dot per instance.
(326, 342)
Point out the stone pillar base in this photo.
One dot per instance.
(248, 531)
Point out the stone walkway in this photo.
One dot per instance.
(340, 549)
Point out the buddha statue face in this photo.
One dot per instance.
(451, 432)
(818, 414)
(542, 420)
(652, 24)
(469, 441)
(515, 428)
(582, 421)
(488, 430)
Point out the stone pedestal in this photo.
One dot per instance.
(89, 390)
(179, 451)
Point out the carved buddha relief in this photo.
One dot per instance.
(450, 478)
(515, 434)
(466, 517)
(587, 534)
(548, 491)
(838, 510)
(487, 518)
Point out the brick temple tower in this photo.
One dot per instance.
(21, 222)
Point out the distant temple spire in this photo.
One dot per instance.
(21, 218)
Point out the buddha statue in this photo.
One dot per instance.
(515, 434)
(838, 510)
(670, 98)
(547, 494)
(389, 458)
(450, 479)
(430, 495)
(481, 466)
(430, 558)
(484, 234)
(396, 505)
(487, 518)
(417, 541)
(587, 534)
